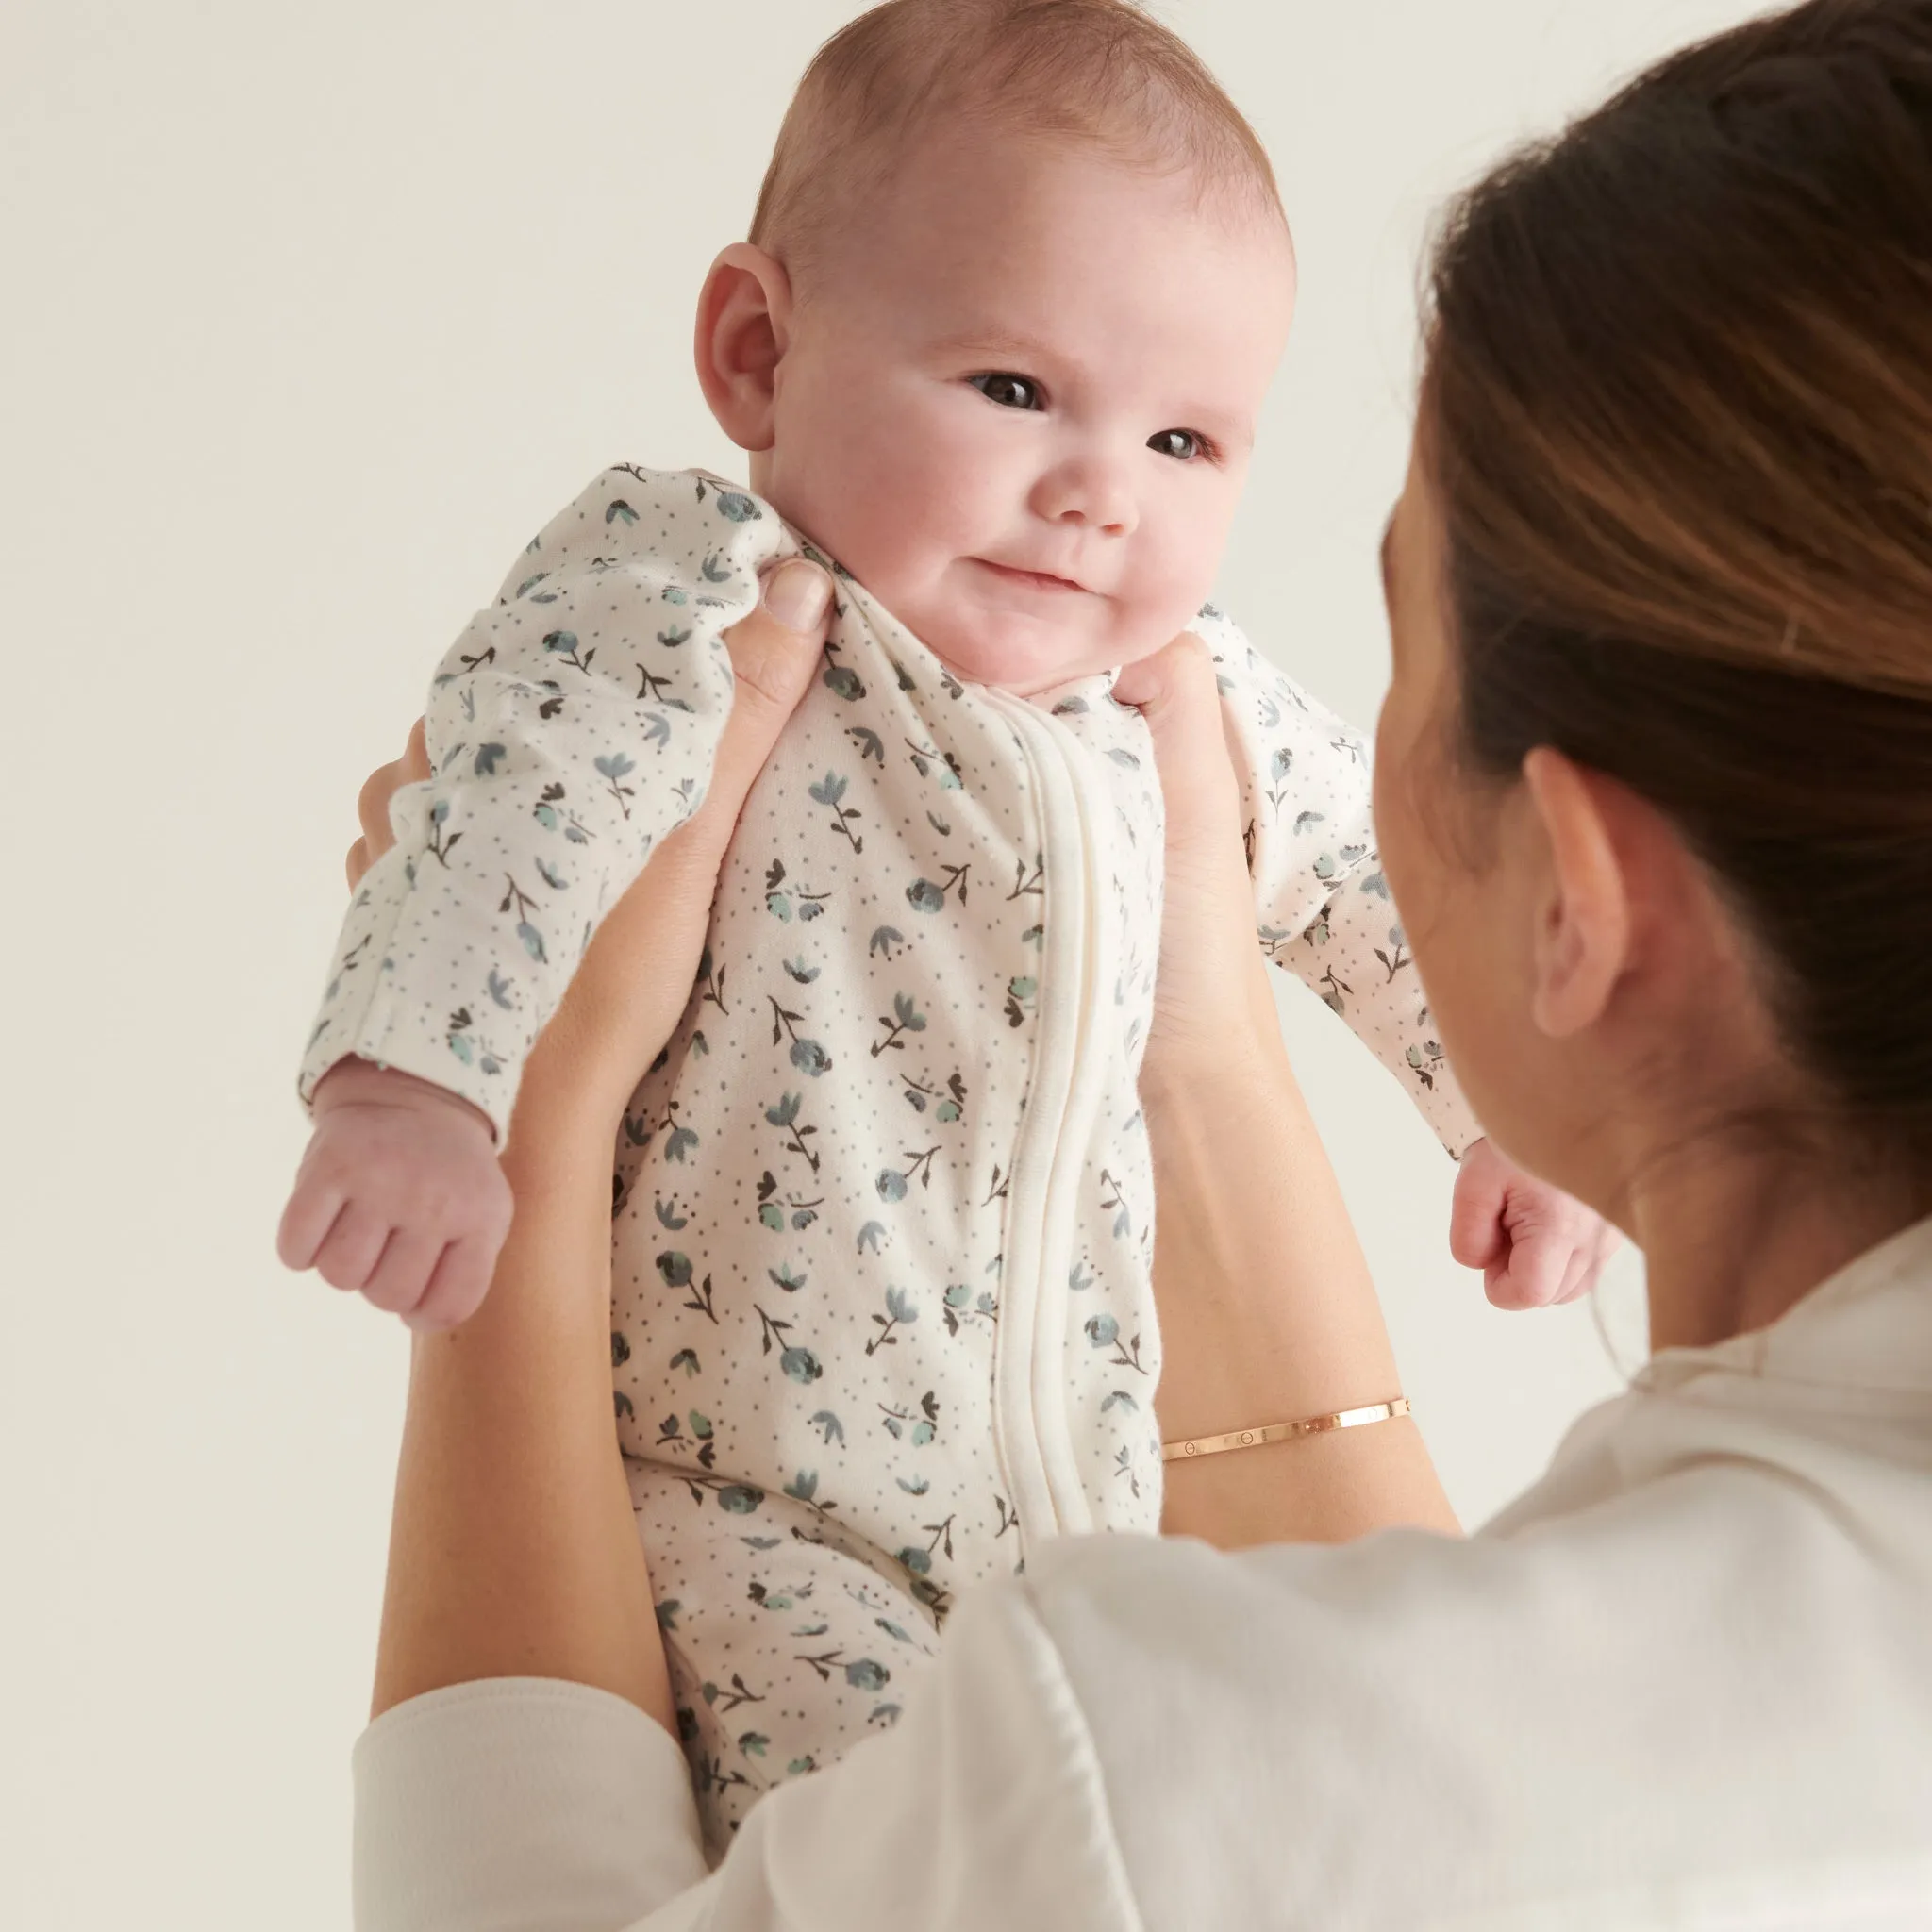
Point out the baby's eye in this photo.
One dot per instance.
(1009, 390)
(1180, 443)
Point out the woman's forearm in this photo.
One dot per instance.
(1268, 1314)
(513, 1552)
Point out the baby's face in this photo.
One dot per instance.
(1018, 399)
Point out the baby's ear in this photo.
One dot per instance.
(744, 319)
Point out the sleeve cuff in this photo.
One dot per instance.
(519, 1802)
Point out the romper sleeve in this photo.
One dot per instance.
(524, 1803)
(570, 728)
(1322, 904)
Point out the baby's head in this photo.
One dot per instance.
(1017, 284)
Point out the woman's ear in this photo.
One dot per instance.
(1583, 930)
(745, 322)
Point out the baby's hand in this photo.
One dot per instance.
(399, 1196)
(1535, 1244)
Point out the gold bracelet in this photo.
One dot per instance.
(1283, 1432)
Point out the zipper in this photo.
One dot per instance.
(1032, 1432)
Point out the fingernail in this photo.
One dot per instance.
(797, 593)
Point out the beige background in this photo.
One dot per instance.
(312, 315)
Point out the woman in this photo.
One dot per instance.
(1652, 788)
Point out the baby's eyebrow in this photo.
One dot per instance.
(992, 339)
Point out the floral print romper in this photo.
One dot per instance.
(882, 1316)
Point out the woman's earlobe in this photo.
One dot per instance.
(743, 324)
(1582, 942)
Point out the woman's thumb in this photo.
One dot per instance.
(1174, 691)
(774, 650)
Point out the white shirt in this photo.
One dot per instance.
(1686, 1681)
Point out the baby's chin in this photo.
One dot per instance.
(1010, 637)
(1022, 656)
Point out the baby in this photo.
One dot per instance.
(883, 1320)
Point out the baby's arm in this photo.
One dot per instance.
(1322, 906)
(570, 729)
(1324, 913)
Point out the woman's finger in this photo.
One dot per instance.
(372, 801)
(774, 652)
(633, 982)
(372, 807)
(1211, 998)
(1176, 691)
(358, 862)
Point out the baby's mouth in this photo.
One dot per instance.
(1035, 579)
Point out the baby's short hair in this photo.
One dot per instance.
(1093, 74)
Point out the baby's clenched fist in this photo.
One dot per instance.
(399, 1197)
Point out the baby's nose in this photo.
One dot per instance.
(1088, 492)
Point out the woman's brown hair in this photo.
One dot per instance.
(1678, 409)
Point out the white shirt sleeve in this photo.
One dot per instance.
(522, 1804)
(519, 1802)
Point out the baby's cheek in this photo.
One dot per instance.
(1163, 602)
(887, 506)
(902, 532)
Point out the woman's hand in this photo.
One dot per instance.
(1266, 1311)
(632, 985)
(1214, 1007)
